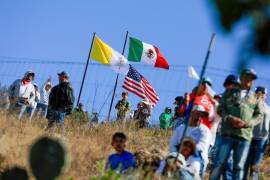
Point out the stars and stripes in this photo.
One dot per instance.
(137, 84)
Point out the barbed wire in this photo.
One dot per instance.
(173, 67)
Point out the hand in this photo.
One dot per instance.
(237, 122)
(49, 79)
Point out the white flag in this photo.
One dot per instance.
(192, 73)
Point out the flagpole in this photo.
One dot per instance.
(210, 47)
(116, 80)
(85, 70)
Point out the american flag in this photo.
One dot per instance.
(137, 84)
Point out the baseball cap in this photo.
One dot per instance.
(179, 98)
(63, 73)
(231, 79)
(249, 72)
(261, 89)
(207, 80)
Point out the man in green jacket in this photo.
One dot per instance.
(240, 110)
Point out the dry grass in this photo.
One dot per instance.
(87, 147)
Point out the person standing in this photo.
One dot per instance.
(122, 107)
(142, 114)
(80, 115)
(260, 139)
(231, 82)
(42, 106)
(33, 103)
(165, 119)
(240, 110)
(61, 101)
(21, 93)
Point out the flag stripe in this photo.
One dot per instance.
(135, 50)
(151, 96)
(137, 84)
(133, 91)
(138, 88)
(150, 91)
(133, 82)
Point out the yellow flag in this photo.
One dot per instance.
(101, 51)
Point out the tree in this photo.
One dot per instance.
(257, 16)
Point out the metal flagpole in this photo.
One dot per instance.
(116, 80)
(210, 47)
(85, 70)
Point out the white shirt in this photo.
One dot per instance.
(33, 101)
(243, 93)
(192, 164)
(44, 95)
(26, 91)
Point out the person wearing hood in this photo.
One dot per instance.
(61, 101)
(21, 93)
(42, 106)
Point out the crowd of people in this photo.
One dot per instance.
(226, 133)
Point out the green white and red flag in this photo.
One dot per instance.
(142, 52)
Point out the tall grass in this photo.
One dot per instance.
(87, 147)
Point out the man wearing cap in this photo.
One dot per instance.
(198, 132)
(231, 82)
(123, 107)
(42, 106)
(21, 93)
(240, 110)
(61, 102)
(260, 138)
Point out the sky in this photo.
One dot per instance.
(46, 35)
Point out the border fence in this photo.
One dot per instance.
(100, 79)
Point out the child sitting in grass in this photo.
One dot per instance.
(121, 160)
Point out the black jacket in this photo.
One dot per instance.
(61, 97)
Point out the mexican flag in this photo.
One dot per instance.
(141, 51)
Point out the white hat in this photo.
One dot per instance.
(200, 108)
(146, 101)
(29, 72)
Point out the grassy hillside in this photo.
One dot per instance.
(87, 147)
